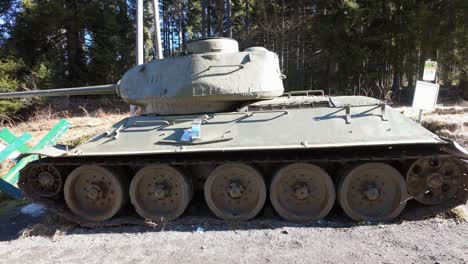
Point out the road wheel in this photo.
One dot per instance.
(235, 191)
(302, 192)
(372, 192)
(95, 193)
(160, 192)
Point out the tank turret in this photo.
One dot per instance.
(214, 76)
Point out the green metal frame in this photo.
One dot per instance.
(8, 184)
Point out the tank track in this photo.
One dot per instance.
(334, 161)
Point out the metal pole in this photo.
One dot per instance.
(420, 116)
(139, 46)
(140, 58)
(157, 24)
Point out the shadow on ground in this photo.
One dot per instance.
(15, 224)
(12, 221)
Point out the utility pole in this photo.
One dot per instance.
(139, 46)
(157, 32)
(140, 58)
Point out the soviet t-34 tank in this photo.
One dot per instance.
(217, 121)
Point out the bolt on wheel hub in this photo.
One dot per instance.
(46, 179)
(434, 180)
(371, 193)
(235, 190)
(160, 192)
(301, 192)
(94, 192)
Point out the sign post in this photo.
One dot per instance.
(427, 91)
(425, 97)
(430, 69)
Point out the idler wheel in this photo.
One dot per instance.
(235, 191)
(433, 181)
(95, 193)
(302, 192)
(44, 180)
(372, 192)
(160, 192)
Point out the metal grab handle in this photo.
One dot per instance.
(198, 142)
(165, 122)
(241, 66)
(200, 74)
(382, 107)
(306, 92)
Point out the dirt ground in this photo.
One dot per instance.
(202, 239)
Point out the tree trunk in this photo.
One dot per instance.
(282, 35)
(208, 19)
(219, 17)
(463, 86)
(265, 22)
(203, 22)
(332, 76)
(180, 20)
(157, 30)
(75, 45)
(228, 18)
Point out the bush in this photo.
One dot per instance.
(13, 76)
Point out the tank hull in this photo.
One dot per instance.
(266, 129)
(335, 138)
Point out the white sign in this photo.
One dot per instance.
(430, 68)
(425, 96)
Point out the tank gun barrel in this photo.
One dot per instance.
(86, 90)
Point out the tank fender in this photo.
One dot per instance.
(455, 149)
(49, 151)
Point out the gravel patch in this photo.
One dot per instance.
(434, 240)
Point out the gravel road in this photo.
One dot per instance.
(337, 240)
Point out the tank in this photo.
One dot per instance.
(216, 123)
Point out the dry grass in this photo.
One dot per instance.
(51, 231)
(83, 127)
(458, 214)
(5, 120)
(38, 230)
(6, 167)
(449, 122)
(438, 126)
(46, 113)
(53, 227)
